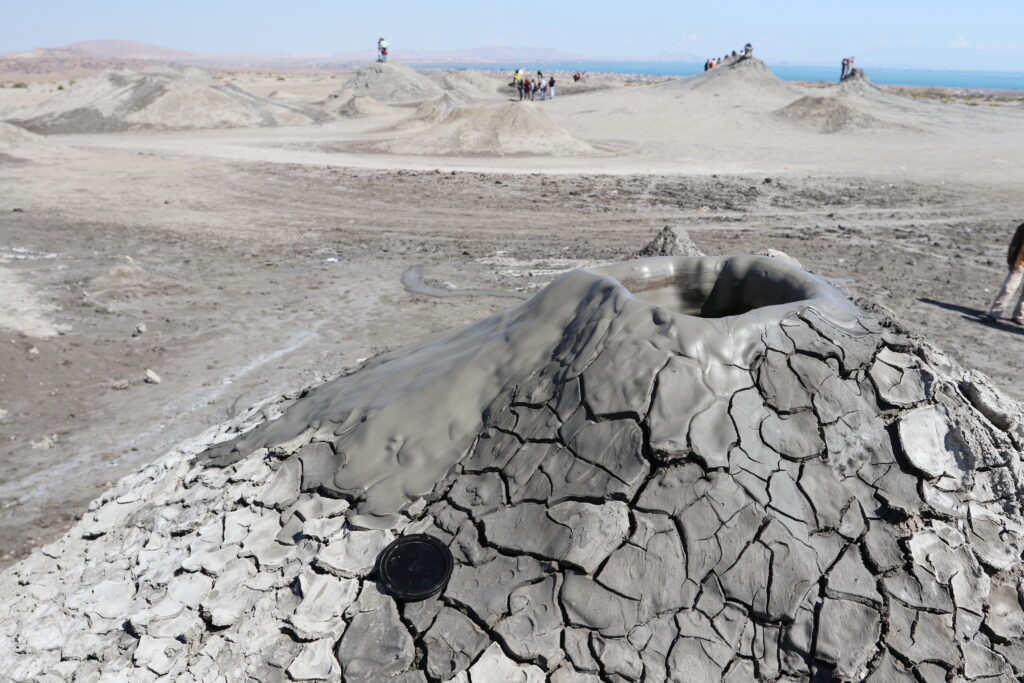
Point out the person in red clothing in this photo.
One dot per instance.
(1010, 294)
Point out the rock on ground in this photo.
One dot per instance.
(671, 241)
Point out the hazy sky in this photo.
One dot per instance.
(978, 34)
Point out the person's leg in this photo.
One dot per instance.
(1018, 310)
(1008, 294)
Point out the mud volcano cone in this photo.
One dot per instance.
(686, 469)
(156, 99)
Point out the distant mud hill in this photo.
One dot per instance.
(858, 86)
(473, 85)
(740, 79)
(361, 106)
(517, 128)
(19, 144)
(161, 99)
(392, 83)
(429, 113)
(857, 77)
(830, 115)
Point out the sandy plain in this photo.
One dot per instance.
(240, 263)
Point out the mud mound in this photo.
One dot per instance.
(671, 469)
(519, 128)
(431, 112)
(830, 114)
(20, 144)
(360, 106)
(671, 241)
(857, 83)
(857, 86)
(857, 76)
(391, 83)
(158, 99)
(473, 85)
(739, 80)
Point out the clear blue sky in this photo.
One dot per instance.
(978, 34)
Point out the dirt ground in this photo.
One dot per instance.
(237, 271)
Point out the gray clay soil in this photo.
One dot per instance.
(253, 278)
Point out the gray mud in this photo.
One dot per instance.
(671, 469)
(228, 248)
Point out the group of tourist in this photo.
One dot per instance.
(748, 51)
(530, 88)
(847, 66)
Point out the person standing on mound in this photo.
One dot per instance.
(551, 88)
(748, 51)
(382, 50)
(527, 84)
(1010, 292)
(845, 69)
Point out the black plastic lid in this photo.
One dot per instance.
(415, 567)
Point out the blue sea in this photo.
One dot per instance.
(996, 80)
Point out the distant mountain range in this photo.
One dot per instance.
(97, 54)
(130, 49)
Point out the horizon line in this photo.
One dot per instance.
(569, 57)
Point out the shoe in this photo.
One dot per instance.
(1018, 322)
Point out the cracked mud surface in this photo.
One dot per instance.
(219, 249)
(833, 499)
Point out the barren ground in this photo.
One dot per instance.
(255, 272)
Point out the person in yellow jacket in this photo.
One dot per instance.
(1010, 294)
